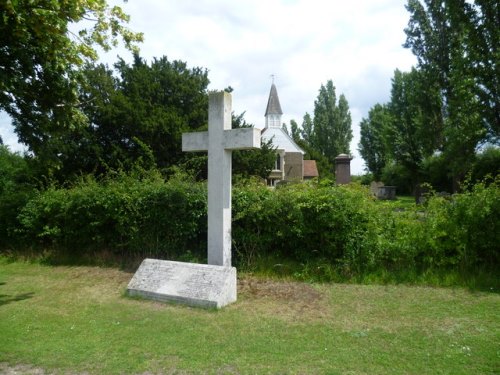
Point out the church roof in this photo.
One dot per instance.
(281, 140)
(273, 104)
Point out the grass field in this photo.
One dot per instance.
(77, 320)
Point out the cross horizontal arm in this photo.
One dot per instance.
(195, 141)
(241, 139)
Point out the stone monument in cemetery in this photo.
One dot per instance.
(212, 284)
(343, 169)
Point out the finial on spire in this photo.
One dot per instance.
(272, 78)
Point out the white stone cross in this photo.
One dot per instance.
(220, 141)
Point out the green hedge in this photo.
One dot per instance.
(126, 215)
(304, 222)
(309, 223)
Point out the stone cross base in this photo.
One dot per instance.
(200, 285)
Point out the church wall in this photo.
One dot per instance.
(293, 166)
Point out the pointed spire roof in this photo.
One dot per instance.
(273, 104)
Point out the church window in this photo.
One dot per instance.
(277, 165)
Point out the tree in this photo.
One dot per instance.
(40, 59)
(332, 131)
(248, 163)
(294, 130)
(372, 145)
(285, 128)
(456, 44)
(343, 131)
(139, 117)
(415, 129)
(15, 189)
(307, 128)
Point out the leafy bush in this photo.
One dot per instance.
(466, 229)
(15, 191)
(126, 215)
(315, 230)
(436, 171)
(458, 232)
(397, 175)
(487, 163)
(305, 222)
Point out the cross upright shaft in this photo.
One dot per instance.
(219, 181)
(219, 141)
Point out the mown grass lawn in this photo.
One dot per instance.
(77, 320)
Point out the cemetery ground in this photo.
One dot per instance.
(76, 319)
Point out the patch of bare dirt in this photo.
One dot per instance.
(289, 300)
(286, 291)
(6, 369)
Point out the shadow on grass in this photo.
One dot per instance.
(6, 299)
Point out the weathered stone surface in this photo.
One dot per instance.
(294, 166)
(200, 285)
(374, 186)
(220, 141)
(343, 169)
(387, 193)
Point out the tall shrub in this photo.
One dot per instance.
(126, 215)
(15, 190)
(461, 232)
(306, 222)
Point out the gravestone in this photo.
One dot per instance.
(374, 186)
(386, 192)
(212, 284)
(343, 169)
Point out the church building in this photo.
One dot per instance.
(289, 164)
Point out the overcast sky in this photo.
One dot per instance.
(357, 44)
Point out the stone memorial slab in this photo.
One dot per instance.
(200, 285)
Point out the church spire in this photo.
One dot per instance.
(273, 110)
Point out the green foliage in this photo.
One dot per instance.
(373, 144)
(415, 130)
(335, 223)
(436, 171)
(486, 163)
(307, 129)
(140, 116)
(365, 179)
(127, 215)
(449, 104)
(325, 168)
(461, 232)
(314, 230)
(396, 175)
(455, 43)
(40, 59)
(294, 130)
(331, 133)
(466, 230)
(15, 190)
(248, 163)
